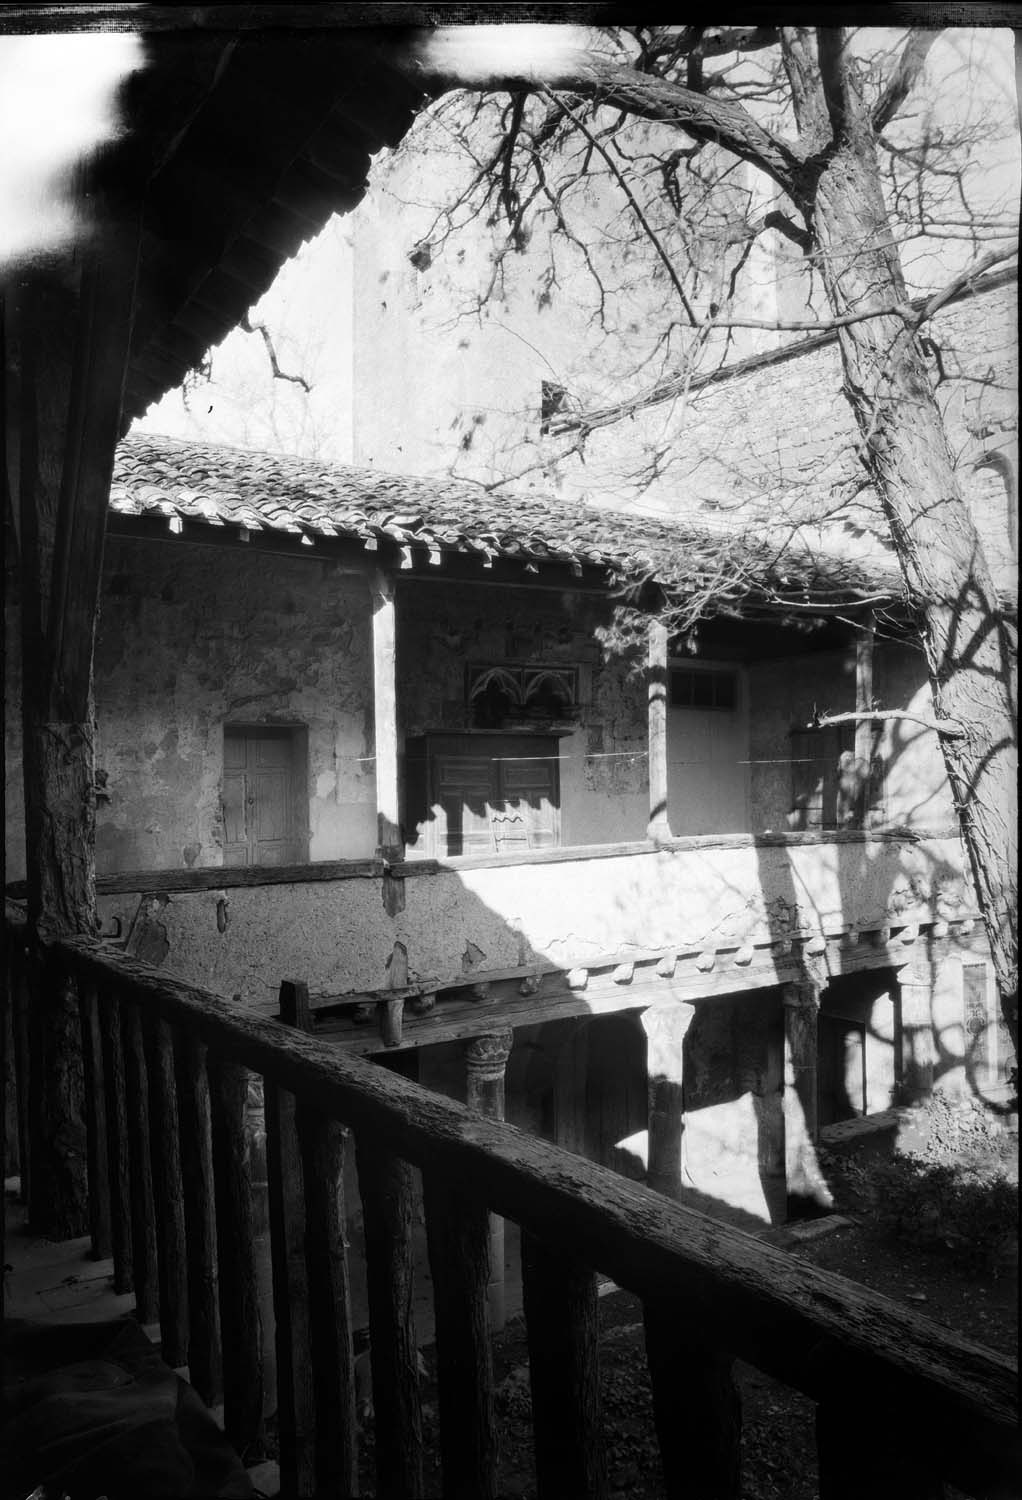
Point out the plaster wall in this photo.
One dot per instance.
(338, 935)
(602, 762)
(786, 693)
(191, 639)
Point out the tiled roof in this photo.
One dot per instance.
(221, 486)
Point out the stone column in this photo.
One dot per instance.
(915, 981)
(485, 1071)
(666, 1027)
(806, 1188)
(659, 826)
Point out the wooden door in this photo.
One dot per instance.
(263, 796)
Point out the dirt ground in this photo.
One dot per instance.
(779, 1458)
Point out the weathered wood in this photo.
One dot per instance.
(22, 1064)
(562, 1322)
(95, 1123)
(322, 1142)
(386, 1186)
(296, 1406)
(696, 1407)
(806, 1189)
(237, 1274)
(765, 1306)
(68, 329)
(458, 1238)
(119, 1167)
(296, 1396)
(143, 1212)
(659, 826)
(165, 1150)
(58, 1187)
(205, 1369)
(390, 844)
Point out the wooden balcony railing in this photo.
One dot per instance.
(903, 1404)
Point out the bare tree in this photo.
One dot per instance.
(702, 141)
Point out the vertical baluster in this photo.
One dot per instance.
(385, 1183)
(696, 1408)
(322, 1143)
(143, 1213)
(95, 1122)
(119, 1171)
(204, 1361)
(458, 1237)
(296, 1413)
(562, 1321)
(237, 1275)
(22, 1069)
(165, 1148)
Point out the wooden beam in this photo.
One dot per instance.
(390, 842)
(806, 1187)
(659, 826)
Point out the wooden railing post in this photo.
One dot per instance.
(204, 1356)
(486, 1059)
(562, 1320)
(696, 1408)
(237, 1274)
(458, 1237)
(119, 1167)
(296, 1410)
(165, 1147)
(95, 1122)
(143, 1213)
(385, 1183)
(322, 1143)
(22, 1069)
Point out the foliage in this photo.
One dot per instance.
(970, 1212)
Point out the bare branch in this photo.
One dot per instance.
(439, 64)
(903, 79)
(647, 228)
(830, 49)
(939, 726)
(271, 353)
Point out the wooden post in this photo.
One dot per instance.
(390, 842)
(322, 1142)
(193, 1108)
(915, 983)
(562, 1322)
(165, 1146)
(659, 823)
(119, 1167)
(67, 327)
(666, 1027)
(696, 1408)
(236, 1264)
(806, 1189)
(296, 1409)
(458, 1238)
(385, 1183)
(22, 1055)
(95, 1123)
(58, 1188)
(486, 1059)
(143, 1212)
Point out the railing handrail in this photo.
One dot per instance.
(802, 1325)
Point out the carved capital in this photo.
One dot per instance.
(805, 995)
(486, 1056)
(667, 1022)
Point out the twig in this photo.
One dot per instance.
(278, 373)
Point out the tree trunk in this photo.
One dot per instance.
(966, 641)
